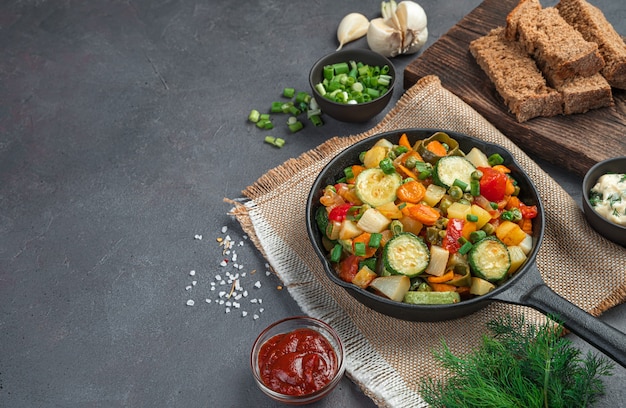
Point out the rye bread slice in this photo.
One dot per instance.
(560, 51)
(581, 94)
(591, 22)
(515, 76)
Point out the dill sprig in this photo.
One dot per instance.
(519, 365)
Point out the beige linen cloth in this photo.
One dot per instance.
(385, 356)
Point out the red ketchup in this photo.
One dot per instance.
(297, 363)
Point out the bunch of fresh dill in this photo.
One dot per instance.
(520, 365)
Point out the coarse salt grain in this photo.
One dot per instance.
(188, 287)
(192, 272)
(257, 284)
(244, 313)
(224, 229)
(190, 302)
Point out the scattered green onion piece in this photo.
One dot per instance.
(335, 254)
(277, 107)
(465, 248)
(475, 188)
(476, 236)
(268, 125)
(254, 116)
(279, 142)
(359, 248)
(316, 120)
(471, 217)
(460, 183)
(289, 92)
(296, 127)
(270, 139)
(386, 165)
(477, 175)
(294, 111)
(303, 97)
(495, 159)
(375, 239)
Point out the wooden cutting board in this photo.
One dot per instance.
(574, 142)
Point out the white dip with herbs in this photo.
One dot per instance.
(608, 197)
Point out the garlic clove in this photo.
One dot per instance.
(383, 38)
(415, 42)
(411, 17)
(352, 27)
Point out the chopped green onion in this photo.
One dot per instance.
(303, 97)
(348, 172)
(471, 217)
(316, 120)
(277, 107)
(275, 141)
(289, 92)
(335, 254)
(465, 248)
(476, 236)
(359, 248)
(254, 116)
(341, 68)
(475, 188)
(495, 159)
(296, 127)
(493, 205)
(460, 183)
(375, 239)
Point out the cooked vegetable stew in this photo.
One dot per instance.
(425, 223)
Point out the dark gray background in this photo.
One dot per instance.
(122, 129)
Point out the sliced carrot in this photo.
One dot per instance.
(365, 238)
(425, 214)
(411, 192)
(405, 208)
(407, 172)
(501, 168)
(437, 148)
(404, 141)
(442, 287)
(441, 279)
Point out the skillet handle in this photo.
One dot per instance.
(532, 291)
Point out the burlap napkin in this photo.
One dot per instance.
(388, 357)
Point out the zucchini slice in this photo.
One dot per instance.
(406, 254)
(489, 259)
(451, 168)
(431, 298)
(376, 188)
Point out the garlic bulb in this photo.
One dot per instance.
(352, 27)
(401, 30)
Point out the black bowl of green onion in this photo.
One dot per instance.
(352, 85)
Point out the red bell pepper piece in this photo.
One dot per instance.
(454, 231)
(340, 212)
(492, 184)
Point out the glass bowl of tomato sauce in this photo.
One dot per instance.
(297, 360)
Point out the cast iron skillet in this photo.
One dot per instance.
(526, 287)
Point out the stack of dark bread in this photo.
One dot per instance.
(553, 60)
